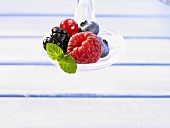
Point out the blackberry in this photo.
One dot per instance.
(49, 40)
(61, 36)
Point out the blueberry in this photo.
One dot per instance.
(105, 47)
(89, 26)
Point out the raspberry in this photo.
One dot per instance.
(84, 47)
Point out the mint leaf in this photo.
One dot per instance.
(54, 51)
(68, 64)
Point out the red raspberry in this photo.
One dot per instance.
(84, 47)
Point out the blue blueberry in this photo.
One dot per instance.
(105, 47)
(89, 26)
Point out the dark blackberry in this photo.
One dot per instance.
(55, 29)
(49, 40)
(61, 36)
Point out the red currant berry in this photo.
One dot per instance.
(70, 25)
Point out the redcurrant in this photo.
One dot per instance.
(70, 25)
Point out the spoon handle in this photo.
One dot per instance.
(84, 11)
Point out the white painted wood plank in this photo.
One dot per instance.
(146, 51)
(91, 113)
(118, 80)
(22, 50)
(141, 27)
(131, 7)
(39, 26)
(136, 51)
(139, 7)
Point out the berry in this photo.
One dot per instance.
(49, 40)
(70, 26)
(89, 26)
(105, 47)
(84, 47)
(61, 36)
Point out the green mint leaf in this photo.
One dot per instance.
(54, 51)
(68, 64)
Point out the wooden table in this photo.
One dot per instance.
(134, 92)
